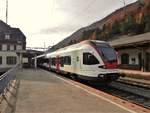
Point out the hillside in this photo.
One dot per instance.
(101, 29)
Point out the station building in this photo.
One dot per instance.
(12, 46)
(133, 51)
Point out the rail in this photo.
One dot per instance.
(6, 78)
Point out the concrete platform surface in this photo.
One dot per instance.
(42, 92)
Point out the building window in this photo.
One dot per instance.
(89, 59)
(0, 60)
(11, 60)
(8, 47)
(0, 47)
(125, 58)
(133, 61)
(53, 61)
(19, 47)
(7, 36)
(62, 61)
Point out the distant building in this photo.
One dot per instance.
(28, 62)
(12, 45)
(133, 51)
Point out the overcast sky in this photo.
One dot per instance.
(51, 21)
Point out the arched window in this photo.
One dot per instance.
(125, 58)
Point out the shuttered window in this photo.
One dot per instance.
(11, 60)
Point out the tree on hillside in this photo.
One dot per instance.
(87, 34)
(148, 6)
(98, 34)
(147, 22)
(141, 3)
(106, 32)
(129, 25)
(115, 28)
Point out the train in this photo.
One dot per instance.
(91, 60)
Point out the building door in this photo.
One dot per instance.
(140, 60)
(125, 59)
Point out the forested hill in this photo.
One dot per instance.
(130, 20)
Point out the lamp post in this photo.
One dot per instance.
(6, 11)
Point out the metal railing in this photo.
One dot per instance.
(6, 78)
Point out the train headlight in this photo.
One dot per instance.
(101, 76)
(103, 66)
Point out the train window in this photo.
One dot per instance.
(53, 61)
(77, 58)
(62, 61)
(89, 59)
(67, 60)
(50, 61)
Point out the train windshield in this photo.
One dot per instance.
(107, 51)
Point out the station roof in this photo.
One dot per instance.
(39, 56)
(131, 40)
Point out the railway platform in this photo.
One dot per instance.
(135, 74)
(39, 91)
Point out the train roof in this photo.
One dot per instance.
(74, 47)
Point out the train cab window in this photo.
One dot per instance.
(89, 59)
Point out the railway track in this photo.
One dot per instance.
(132, 93)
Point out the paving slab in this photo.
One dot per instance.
(42, 92)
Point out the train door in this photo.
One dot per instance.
(58, 64)
(76, 61)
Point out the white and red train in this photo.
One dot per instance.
(90, 60)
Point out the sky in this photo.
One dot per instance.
(47, 22)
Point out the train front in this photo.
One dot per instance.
(108, 69)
